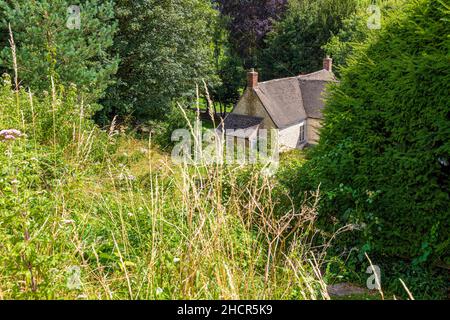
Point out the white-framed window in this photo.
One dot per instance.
(302, 136)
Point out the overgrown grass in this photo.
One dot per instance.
(92, 214)
(100, 215)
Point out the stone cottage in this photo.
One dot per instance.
(291, 105)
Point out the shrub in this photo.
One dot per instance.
(174, 119)
(383, 156)
(48, 119)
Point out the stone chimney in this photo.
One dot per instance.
(328, 64)
(252, 78)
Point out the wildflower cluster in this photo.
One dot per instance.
(10, 134)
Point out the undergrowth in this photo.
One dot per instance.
(86, 213)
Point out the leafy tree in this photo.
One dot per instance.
(165, 49)
(228, 67)
(233, 78)
(51, 43)
(295, 44)
(355, 31)
(249, 22)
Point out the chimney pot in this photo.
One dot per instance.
(328, 63)
(252, 78)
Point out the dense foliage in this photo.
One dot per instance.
(295, 44)
(248, 22)
(355, 30)
(46, 46)
(229, 67)
(165, 49)
(111, 206)
(383, 161)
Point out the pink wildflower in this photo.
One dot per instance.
(10, 134)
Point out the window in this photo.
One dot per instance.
(302, 135)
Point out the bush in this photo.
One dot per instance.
(48, 118)
(175, 119)
(384, 153)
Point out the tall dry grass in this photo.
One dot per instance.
(191, 232)
(100, 215)
(134, 225)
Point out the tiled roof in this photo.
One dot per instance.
(290, 100)
(283, 101)
(244, 126)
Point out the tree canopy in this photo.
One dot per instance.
(46, 46)
(295, 44)
(165, 49)
(249, 22)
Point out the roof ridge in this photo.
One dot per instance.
(279, 79)
(323, 80)
(321, 75)
(301, 76)
(308, 74)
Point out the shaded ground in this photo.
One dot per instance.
(348, 291)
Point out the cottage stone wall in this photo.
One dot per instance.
(250, 105)
(313, 126)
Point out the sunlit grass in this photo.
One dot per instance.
(91, 214)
